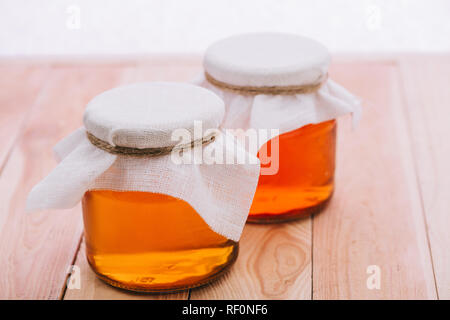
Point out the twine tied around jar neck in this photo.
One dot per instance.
(150, 152)
(271, 90)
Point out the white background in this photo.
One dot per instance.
(105, 27)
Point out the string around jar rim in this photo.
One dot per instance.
(151, 152)
(270, 90)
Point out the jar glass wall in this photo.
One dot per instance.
(305, 180)
(150, 242)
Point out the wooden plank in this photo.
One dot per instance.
(274, 262)
(375, 218)
(37, 249)
(20, 86)
(376, 215)
(426, 84)
(161, 69)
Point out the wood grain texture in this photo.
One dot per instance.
(391, 188)
(274, 263)
(426, 84)
(20, 85)
(376, 215)
(36, 249)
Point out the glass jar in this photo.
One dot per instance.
(277, 81)
(303, 184)
(151, 242)
(162, 210)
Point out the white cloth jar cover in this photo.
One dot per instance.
(275, 60)
(146, 115)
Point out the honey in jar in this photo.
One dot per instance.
(151, 242)
(303, 184)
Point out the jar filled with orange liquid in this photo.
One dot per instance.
(151, 242)
(273, 81)
(158, 214)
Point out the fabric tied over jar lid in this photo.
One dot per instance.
(267, 60)
(126, 144)
(274, 81)
(144, 116)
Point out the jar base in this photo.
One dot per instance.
(169, 288)
(292, 215)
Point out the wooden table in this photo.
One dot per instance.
(391, 208)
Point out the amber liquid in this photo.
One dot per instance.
(151, 242)
(305, 179)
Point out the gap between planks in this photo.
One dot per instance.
(405, 101)
(427, 97)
